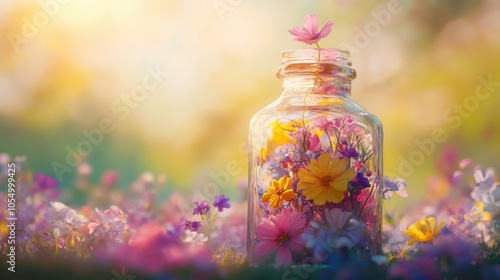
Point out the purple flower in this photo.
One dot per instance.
(360, 182)
(201, 208)
(45, 184)
(350, 153)
(194, 225)
(221, 202)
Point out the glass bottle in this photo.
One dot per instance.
(315, 166)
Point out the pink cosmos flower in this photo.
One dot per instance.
(282, 232)
(309, 33)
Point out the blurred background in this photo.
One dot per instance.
(169, 87)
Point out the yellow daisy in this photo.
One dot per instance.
(424, 231)
(279, 191)
(325, 179)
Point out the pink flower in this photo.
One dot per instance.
(325, 88)
(282, 232)
(314, 144)
(309, 33)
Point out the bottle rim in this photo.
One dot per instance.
(316, 61)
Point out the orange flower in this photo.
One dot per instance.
(325, 179)
(279, 191)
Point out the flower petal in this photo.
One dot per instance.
(311, 24)
(288, 195)
(266, 247)
(299, 32)
(267, 230)
(266, 196)
(284, 256)
(327, 28)
(312, 191)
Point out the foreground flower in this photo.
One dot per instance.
(325, 179)
(279, 191)
(424, 231)
(282, 232)
(309, 33)
(221, 202)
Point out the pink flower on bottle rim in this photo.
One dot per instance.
(282, 232)
(309, 33)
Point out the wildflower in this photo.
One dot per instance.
(323, 123)
(487, 191)
(75, 219)
(360, 182)
(281, 232)
(350, 153)
(201, 208)
(194, 225)
(424, 231)
(490, 198)
(309, 33)
(281, 131)
(112, 223)
(325, 179)
(397, 185)
(486, 180)
(279, 135)
(221, 202)
(194, 237)
(289, 164)
(478, 213)
(343, 226)
(279, 191)
(358, 165)
(46, 184)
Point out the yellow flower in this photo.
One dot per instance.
(279, 136)
(279, 191)
(479, 213)
(4, 230)
(325, 179)
(424, 231)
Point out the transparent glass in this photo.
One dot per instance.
(315, 166)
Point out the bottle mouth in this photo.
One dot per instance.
(317, 61)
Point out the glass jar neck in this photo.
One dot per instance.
(318, 85)
(317, 71)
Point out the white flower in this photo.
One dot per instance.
(75, 219)
(486, 190)
(397, 185)
(346, 231)
(194, 237)
(59, 206)
(485, 181)
(491, 199)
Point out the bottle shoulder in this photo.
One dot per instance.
(289, 107)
